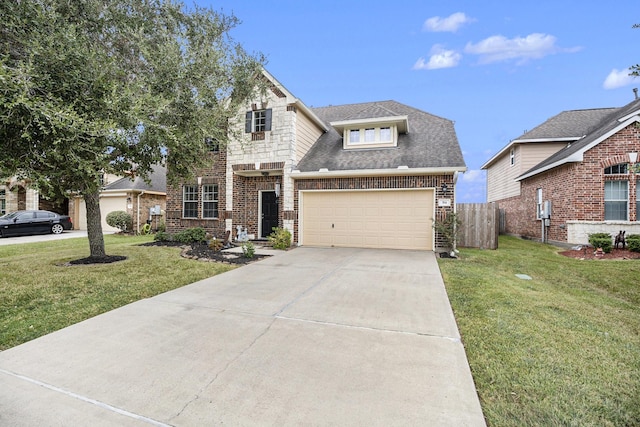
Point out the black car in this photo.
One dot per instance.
(33, 222)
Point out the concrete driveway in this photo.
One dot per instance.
(68, 234)
(312, 336)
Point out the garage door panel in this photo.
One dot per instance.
(398, 219)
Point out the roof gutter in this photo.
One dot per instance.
(400, 171)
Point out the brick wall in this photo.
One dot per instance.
(214, 174)
(246, 205)
(576, 190)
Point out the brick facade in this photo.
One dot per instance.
(214, 174)
(576, 190)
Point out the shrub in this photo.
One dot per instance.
(191, 235)
(215, 244)
(120, 220)
(601, 240)
(447, 229)
(633, 242)
(280, 238)
(162, 236)
(248, 250)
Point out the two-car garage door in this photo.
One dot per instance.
(397, 219)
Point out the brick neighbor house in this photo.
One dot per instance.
(362, 175)
(584, 163)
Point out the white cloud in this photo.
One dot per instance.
(617, 79)
(474, 176)
(499, 48)
(449, 24)
(440, 58)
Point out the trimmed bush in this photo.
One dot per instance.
(191, 235)
(601, 240)
(248, 250)
(120, 220)
(633, 242)
(280, 238)
(163, 236)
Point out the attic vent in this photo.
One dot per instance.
(292, 108)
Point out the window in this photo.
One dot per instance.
(257, 121)
(379, 136)
(3, 202)
(616, 169)
(212, 144)
(512, 157)
(615, 200)
(385, 134)
(638, 200)
(190, 201)
(370, 135)
(209, 201)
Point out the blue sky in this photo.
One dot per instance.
(496, 68)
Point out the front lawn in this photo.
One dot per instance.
(561, 349)
(39, 294)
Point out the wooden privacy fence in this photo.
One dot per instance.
(479, 225)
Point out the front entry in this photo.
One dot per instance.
(269, 212)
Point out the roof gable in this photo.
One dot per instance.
(430, 143)
(157, 182)
(608, 126)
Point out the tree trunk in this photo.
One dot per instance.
(94, 224)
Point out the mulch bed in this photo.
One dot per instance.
(588, 252)
(97, 260)
(202, 252)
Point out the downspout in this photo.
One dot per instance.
(138, 209)
(456, 174)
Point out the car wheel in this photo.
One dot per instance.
(57, 228)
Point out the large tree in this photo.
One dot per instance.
(89, 87)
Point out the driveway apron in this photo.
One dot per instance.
(312, 336)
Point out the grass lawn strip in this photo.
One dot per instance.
(560, 349)
(39, 295)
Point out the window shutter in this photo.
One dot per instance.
(247, 122)
(267, 121)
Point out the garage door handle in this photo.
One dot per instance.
(332, 225)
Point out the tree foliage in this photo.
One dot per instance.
(111, 86)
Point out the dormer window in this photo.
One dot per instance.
(380, 132)
(370, 137)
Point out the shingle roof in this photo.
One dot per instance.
(568, 124)
(598, 130)
(157, 182)
(430, 143)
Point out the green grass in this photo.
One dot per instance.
(39, 295)
(562, 349)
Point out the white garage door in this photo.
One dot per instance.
(396, 219)
(107, 204)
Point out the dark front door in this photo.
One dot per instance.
(269, 212)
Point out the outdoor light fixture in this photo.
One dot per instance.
(277, 189)
(444, 187)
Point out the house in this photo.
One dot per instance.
(144, 201)
(366, 175)
(17, 194)
(573, 175)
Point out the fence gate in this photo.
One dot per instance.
(479, 225)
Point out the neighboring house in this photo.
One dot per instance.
(584, 162)
(18, 195)
(363, 175)
(136, 197)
